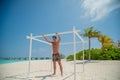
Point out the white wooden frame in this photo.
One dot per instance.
(75, 33)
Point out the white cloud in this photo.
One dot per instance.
(97, 9)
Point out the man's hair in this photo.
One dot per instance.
(54, 37)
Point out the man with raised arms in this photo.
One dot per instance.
(55, 54)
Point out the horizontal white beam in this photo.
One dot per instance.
(60, 33)
(41, 41)
(69, 43)
(65, 43)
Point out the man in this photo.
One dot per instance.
(55, 55)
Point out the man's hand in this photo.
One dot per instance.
(58, 36)
(56, 33)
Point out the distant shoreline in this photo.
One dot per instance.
(13, 60)
(25, 58)
(4, 61)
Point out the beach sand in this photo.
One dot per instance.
(41, 70)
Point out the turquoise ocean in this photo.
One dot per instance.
(10, 61)
(2, 61)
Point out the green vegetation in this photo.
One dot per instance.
(109, 49)
(98, 54)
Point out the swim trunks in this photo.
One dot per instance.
(56, 57)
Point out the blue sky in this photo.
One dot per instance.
(19, 18)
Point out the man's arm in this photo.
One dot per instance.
(46, 39)
(58, 37)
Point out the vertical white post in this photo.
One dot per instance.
(82, 47)
(51, 61)
(30, 53)
(83, 54)
(74, 39)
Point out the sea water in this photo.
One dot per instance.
(10, 61)
(2, 61)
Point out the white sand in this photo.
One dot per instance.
(41, 70)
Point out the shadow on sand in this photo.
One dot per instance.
(68, 76)
(43, 77)
(85, 62)
(14, 77)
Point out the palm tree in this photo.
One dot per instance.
(90, 33)
(105, 41)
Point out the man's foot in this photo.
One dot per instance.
(53, 74)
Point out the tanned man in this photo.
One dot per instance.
(55, 54)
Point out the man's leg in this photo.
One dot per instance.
(54, 66)
(61, 69)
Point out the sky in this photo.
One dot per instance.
(19, 18)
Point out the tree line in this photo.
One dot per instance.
(106, 41)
